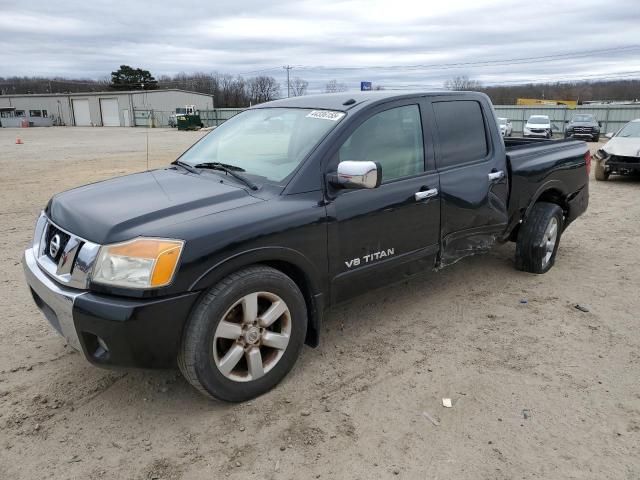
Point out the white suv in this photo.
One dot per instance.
(538, 126)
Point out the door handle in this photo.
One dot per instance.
(493, 176)
(423, 195)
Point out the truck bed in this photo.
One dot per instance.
(537, 165)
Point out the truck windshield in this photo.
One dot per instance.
(265, 142)
(631, 129)
(539, 120)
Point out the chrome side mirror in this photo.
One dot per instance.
(353, 174)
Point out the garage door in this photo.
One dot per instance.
(81, 113)
(109, 109)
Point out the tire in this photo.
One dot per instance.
(596, 138)
(549, 135)
(600, 173)
(206, 343)
(534, 252)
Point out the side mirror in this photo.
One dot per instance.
(599, 124)
(609, 135)
(353, 174)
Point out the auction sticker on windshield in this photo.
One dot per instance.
(326, 115)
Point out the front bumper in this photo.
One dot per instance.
(583, 134)
(111, 331)
(535, 134)
(622, 165)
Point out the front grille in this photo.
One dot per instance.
(583, 130)
(53, 231)
(71, 264)
(538, 130)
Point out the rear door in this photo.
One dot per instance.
(473, 176)
(380, 235)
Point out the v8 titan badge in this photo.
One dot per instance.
(370, 257)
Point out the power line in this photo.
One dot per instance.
(478, 63)
(586, 78)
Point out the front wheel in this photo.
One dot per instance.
(245, 335)
(600, 172)
(539, 237)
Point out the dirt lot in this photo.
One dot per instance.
(540, 389)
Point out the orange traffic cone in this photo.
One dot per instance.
(19, 141)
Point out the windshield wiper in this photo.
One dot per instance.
(186, 166)
(229, 170)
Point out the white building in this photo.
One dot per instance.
(103, 109)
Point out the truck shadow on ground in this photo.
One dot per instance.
(345, 328)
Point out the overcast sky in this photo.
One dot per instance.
(394, 43)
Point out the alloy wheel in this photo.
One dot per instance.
(252, 336)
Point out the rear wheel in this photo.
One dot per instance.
(245, 335)
(600, 172)
(539, 238)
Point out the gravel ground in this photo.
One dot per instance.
(539, 389)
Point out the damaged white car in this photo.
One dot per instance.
(621, 154)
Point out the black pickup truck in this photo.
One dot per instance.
(226, 260)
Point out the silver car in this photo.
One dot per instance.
(621, 154)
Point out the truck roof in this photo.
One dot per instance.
(345, 101)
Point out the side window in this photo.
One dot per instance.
(393, 138)
(35, 113)
(461, 132)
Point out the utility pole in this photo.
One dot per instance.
(287, 68)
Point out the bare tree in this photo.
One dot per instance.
(263, 89)
(333, 86)
(298, 87)
(462, 83)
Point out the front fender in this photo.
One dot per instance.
(260, 255)
(293, 263)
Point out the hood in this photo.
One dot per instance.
(583, 124)
(142, 204)
(623, 146)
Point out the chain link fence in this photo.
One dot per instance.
(612, 117)
(163, 119)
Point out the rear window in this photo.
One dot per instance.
(461, 132)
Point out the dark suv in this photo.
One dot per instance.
(583, 126)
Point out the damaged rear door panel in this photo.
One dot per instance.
(474, 180)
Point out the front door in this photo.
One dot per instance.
(379, 235)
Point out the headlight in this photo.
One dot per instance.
(139, 263)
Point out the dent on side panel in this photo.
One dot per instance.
(487, 218)
(464, 244)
